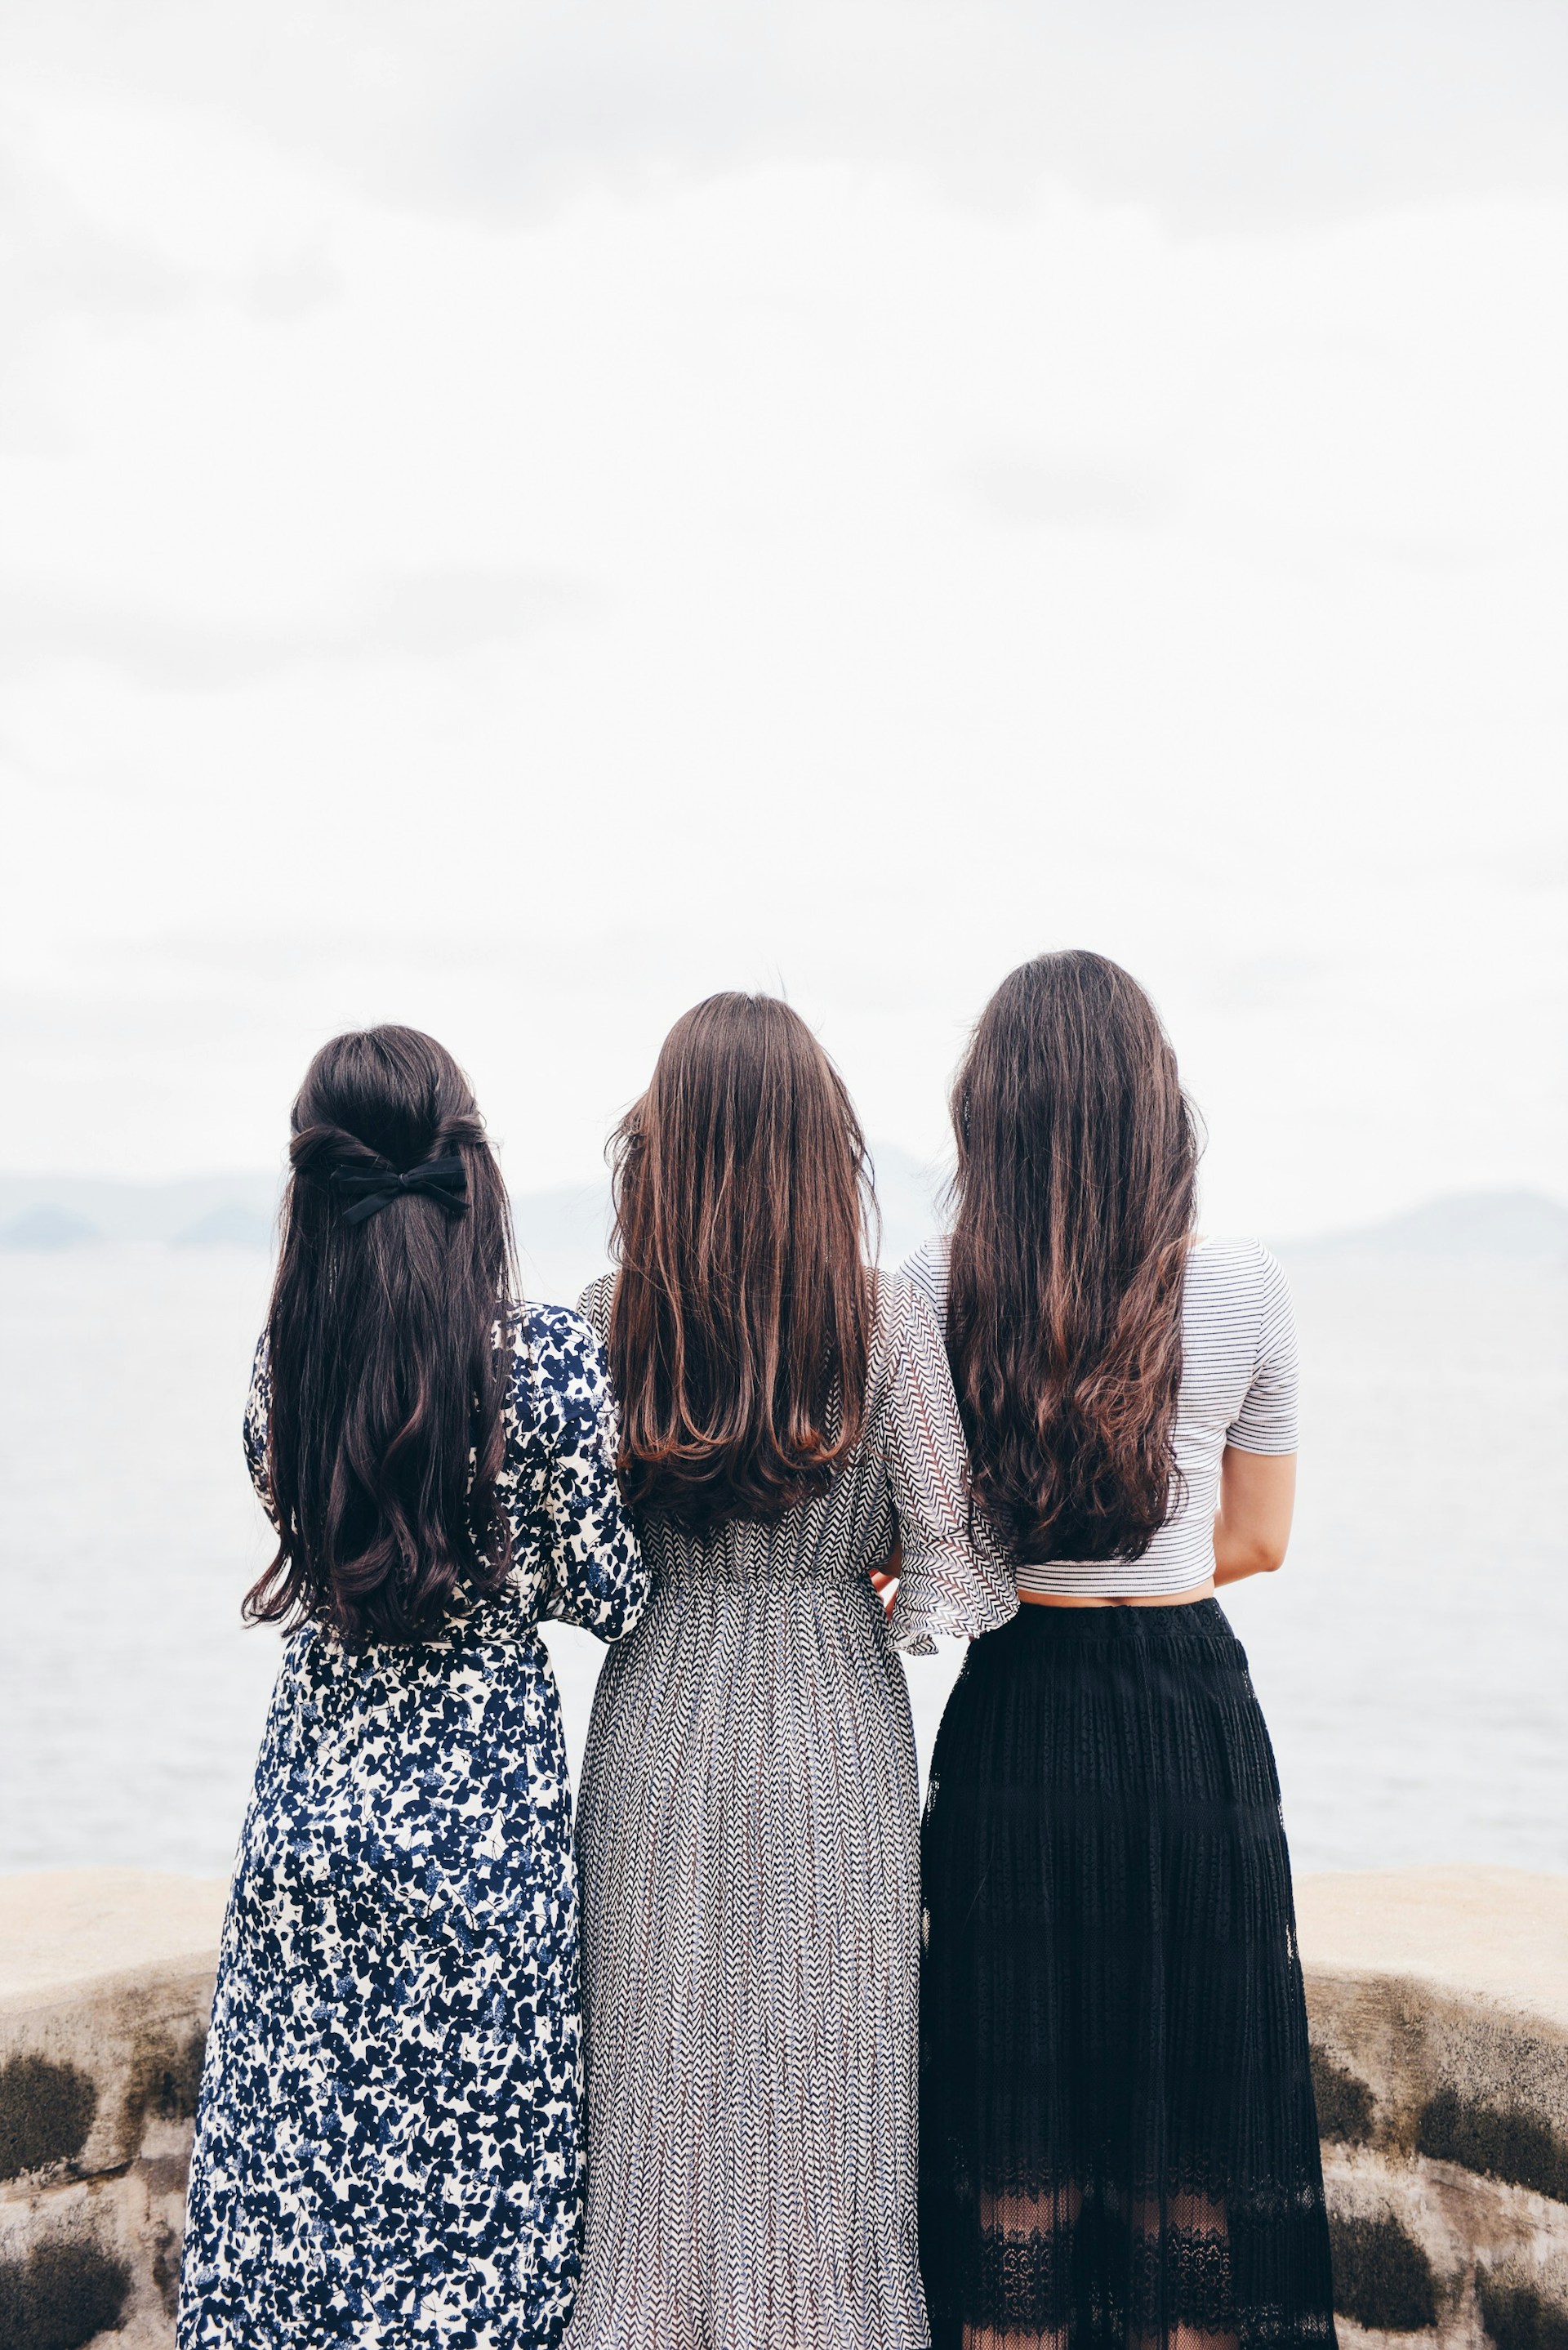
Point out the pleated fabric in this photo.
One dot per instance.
(748, 1844)
(1118, 2138)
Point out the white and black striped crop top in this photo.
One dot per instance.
(1238, 1387)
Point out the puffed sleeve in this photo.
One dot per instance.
(1267, 1421)
(258, 1416)
(956, 1582)
(597, 1577)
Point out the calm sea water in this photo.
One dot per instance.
(1412, 1658)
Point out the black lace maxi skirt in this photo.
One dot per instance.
(1118, 2139)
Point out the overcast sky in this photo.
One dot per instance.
(512, 517)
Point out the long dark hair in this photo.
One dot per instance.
(1074, 1197)
(741, 1327)
(384, 1439)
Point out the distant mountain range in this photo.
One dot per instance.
(1471, 1224)
(563, 1232)
(65, 1211)
(52, 1212)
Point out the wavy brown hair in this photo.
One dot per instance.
(385, 1437)
(741, 1324)
(1074, 1199)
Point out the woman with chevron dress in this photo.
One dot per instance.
(747, 1830)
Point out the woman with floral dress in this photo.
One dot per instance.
(388, 2151)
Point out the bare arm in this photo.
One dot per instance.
(884, 1578)
(1252, 1525)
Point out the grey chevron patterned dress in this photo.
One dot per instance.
(748, 1846)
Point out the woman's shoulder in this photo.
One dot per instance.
(594, 1304)
(926, 1270)
(559, 1331)
(1224, 1262)
(1235, 1290)
(557, 1362)
(908, 1317)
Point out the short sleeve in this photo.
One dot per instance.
(257, 1421)
(1268, 1419)
(595, 1578)
(956, 1583)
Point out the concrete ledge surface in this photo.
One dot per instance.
(65, 1926)
(1500, 1934)
(1438, 2000)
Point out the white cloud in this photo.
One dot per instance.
(1220, 112)
(427, 615)
(775, 570)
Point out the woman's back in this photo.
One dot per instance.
(1238, 1387)
(903, 1476)
(387, 2145)
(747, 1825)
(555, 1489)
(750, 1916)
(403, 1880)
(1118, 2142)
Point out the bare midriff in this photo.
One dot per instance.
(1133, 1599)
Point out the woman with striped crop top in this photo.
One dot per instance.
(1118, 2138)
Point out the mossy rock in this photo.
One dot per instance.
(1345, 2104)
(166, 2079)
(1518, 2316)
(1382, 2277)
(46, 2111)
(1497, 2141)
(60, 2296)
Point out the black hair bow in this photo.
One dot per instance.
(373, 1189)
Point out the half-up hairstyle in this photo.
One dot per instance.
(741, 1327)
(385, 1436)
(1074, 1199)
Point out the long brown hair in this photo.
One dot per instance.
(385, 1437)
(1074, 1197)
(740, 1330)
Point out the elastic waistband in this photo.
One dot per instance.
(702, 1577)
(401, 1659)
(1195, 1619)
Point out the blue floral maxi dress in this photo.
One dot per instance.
(387, 2146)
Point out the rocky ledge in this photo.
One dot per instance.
(1440, 2015)
(106, 1988)
(1439, 1999)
